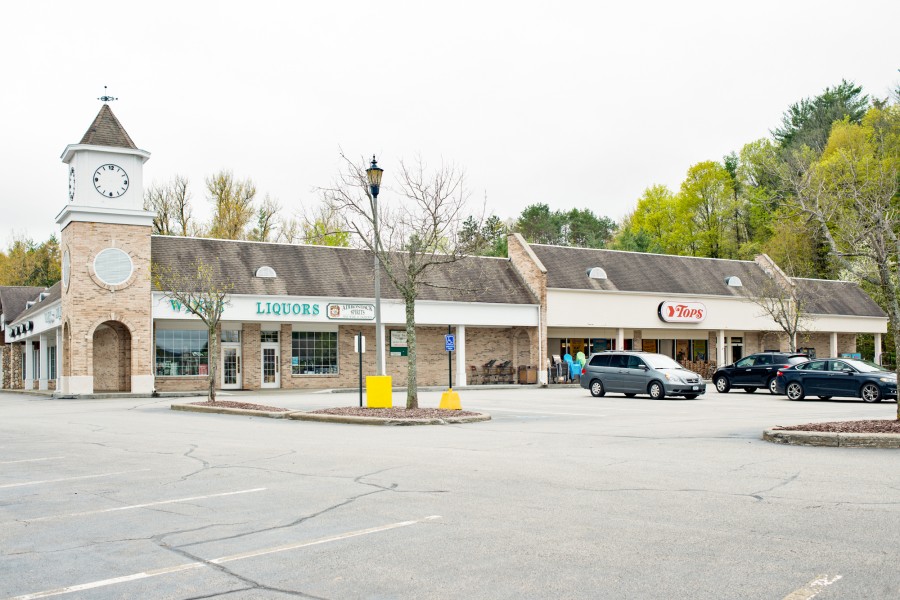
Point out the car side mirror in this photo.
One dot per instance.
(643, 367)
(849, 371)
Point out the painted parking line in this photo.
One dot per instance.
(218, 561)
(12, 462)
(145, 505)
(24, 483)
(544, 412)
(812, 589)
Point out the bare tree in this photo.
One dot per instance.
(781, 299)
(323, 226)
(232, 205)
(199, 290)
(266, 220)
(416, 234)
(171, 203)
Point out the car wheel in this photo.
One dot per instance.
(794, 391)
(656, 390)
(597, 389)
(630, 394)
(773, 389)
(826, 397)
(690, 396)
(750, 390)
(870, 393)
(722, 384)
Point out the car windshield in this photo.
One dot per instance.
(863, 366)
(658, 361)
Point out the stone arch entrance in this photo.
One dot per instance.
(112, 357)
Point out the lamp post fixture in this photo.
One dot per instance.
(374, 173)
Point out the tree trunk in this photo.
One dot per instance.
(412, 393)
(213, 360)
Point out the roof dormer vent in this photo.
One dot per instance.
(734, 281)
(267, 272)
(596, 273)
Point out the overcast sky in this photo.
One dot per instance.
(574, 104)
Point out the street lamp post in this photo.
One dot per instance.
(374, 173)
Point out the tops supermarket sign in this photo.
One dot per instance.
(682, 312)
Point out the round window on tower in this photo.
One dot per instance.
(113, 266)
(66, 269)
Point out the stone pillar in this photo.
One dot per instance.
(29, 365)
(460, 355)
(251, 356)
(833, 345)
(720, 348)
(878, 348)
(43, 366)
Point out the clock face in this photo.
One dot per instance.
(111, 181)
(71, 183)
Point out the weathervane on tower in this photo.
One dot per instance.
(105, 98)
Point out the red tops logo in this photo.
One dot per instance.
(682, 312)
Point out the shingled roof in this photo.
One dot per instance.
(54, 293)
(13, 300)
(107, 131)
(827, 297)
(324, 271)
(643, 272)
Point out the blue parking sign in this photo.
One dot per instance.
(449, 342)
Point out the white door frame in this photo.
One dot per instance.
(239, 381)
(276, 346)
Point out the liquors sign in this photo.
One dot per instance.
(682, 312)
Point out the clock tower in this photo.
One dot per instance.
(105, 245)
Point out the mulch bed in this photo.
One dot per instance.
(395, 413)
(880, 426)
(243, 405)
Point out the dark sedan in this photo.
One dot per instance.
(844, 377)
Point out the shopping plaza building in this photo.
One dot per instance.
(293, 311)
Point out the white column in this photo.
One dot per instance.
(43, 366)
(878, 348)
(620, 339)
(59, 355)
(460, 356)
(833, 346)
(29, 365)
(720, 348)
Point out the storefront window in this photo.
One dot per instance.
(51, 362)
(231, 335)
(268, 336)
(699, 350)
(314, 353)
(649, 346)
(181, 352)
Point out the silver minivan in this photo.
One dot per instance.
(633, 373)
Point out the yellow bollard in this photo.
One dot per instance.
(378, 391)
(450, 400)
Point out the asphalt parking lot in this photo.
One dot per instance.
(560, 495)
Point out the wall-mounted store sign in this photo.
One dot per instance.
(352, 312)
(682, 312)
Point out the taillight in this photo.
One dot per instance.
(779, 373)
(583, 370)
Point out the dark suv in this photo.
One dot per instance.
(755, 371)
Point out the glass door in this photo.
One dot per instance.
(271, 376)
(231, 367)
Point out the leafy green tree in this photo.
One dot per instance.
(653, 226)
(539, 225)
(808, 122)
(707, 199)
(30, 264)
(586, 230)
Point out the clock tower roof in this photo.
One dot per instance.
(107, 131)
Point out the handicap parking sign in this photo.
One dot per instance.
(449, 342)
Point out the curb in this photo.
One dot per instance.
(353, 420)
(834, 440)
(229, 411)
